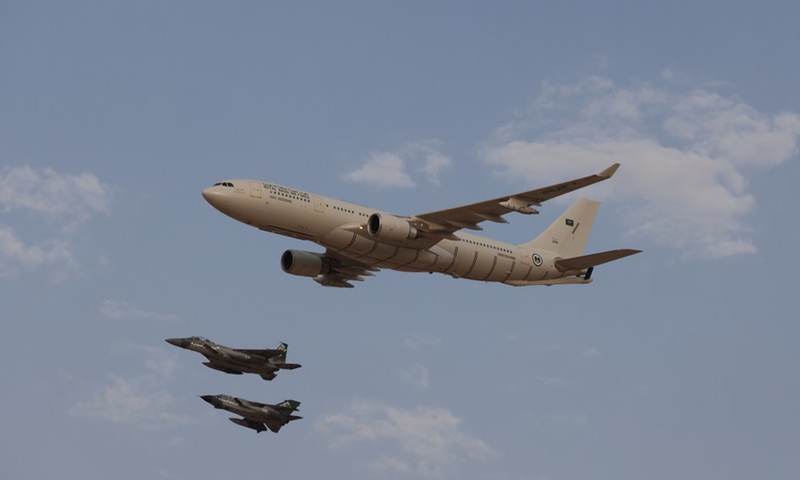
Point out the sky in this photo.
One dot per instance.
(679, 362)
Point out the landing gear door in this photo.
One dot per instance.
(255, 189)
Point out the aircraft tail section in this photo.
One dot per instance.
(593, 260)
(289, 405)
(283, 348)
(567, 236)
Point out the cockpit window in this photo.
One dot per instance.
(223, 184)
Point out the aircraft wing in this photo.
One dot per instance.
(275, 424)
(344, 270)
(445, 222)
(266, 352)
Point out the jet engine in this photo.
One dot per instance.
(304, 264)
(389, 227)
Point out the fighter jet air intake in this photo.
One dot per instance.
(359, 240)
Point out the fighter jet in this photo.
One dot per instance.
(258, 416)
(238, 361)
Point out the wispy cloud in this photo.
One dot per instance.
(121, 310)
(590, 352)
(390, 169)
(71, 198)
(382, 170)
(685, 156)
(138, 400)
(65, 200)
(15, 255)
(419, 341)
(416, 375)
(430, 439)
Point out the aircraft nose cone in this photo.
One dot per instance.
(209, 398)
(208, 193)
(178, 342)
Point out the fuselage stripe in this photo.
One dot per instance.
(491, 270)
(474, 261)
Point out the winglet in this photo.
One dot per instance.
(609, 172)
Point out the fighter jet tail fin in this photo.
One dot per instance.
(290, 405)
(283, 348)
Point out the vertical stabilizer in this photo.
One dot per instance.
(567, 236)
(283, 348)
(290, 405)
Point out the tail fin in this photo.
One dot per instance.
(567, 236)
(283, 348)
(290, 405)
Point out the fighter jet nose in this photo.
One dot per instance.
(178, 342)
(208, 398)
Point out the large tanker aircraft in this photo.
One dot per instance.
(360, 241)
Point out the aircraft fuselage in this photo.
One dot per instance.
(340, 227)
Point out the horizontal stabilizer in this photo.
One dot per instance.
(593, 260)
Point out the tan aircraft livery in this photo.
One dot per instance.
(359, 240)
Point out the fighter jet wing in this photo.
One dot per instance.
(266, 352)
(444, 222)
(275, 423)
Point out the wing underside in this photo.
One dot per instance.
(342, 271)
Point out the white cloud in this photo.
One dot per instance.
(66, 199)
(416, 375)
(382, 170)
(389, 169)
(121, 310)
(429, 438)
(138, 400)
(70, 198)
(433, 160)
(685, 157)
(15, 255)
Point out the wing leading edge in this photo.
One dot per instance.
(445, 222)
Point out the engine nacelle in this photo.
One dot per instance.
(389, 227)
(304, 264)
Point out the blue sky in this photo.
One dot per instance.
(676, 363)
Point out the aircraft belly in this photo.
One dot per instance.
(338, 239)
(361, 246)
(391, 256)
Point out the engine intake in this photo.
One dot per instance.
(304, 264)
(389, 227)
